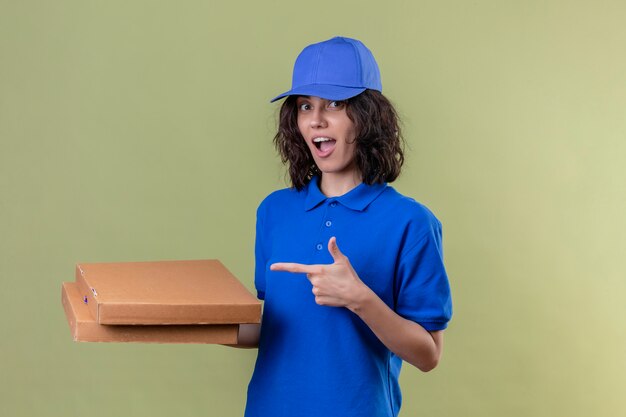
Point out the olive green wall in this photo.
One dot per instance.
(141, 130)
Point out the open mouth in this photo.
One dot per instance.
(324, 144)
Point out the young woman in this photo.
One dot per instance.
(351, 271)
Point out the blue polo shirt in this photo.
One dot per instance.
(323, 361)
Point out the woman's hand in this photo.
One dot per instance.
(336, 285)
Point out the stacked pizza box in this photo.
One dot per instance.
(197, 301)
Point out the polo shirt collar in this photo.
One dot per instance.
(356, 199)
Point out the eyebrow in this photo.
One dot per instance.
(308, 98)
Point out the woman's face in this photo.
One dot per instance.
(329, 133)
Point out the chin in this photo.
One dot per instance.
(330, 169)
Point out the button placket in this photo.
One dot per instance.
(325, 224)
(329, 223)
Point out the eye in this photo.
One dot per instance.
(336, 104)
(304, 106)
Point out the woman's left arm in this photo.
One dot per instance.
(338, 285)
(405, 338)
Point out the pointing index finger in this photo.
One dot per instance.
(293, 267)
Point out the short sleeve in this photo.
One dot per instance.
(260, 259)
(422, 289)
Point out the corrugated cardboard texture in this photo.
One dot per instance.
(166, 292)
(85, 329)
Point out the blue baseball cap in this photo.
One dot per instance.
(336, 69)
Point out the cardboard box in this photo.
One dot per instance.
(165, 292)
(85, 329)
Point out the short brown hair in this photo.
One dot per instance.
(379, 142)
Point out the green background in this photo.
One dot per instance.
(141, 130)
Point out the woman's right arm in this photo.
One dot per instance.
(248, 337)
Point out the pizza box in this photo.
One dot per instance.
(165, 292)
(85, 329)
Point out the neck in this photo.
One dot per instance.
(336, 184)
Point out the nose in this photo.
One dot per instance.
(317, 118)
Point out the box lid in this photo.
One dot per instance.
(166, 292)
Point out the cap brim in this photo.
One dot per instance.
(329, 92)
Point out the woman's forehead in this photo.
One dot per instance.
(313, 98)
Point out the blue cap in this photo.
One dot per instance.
(336, 69)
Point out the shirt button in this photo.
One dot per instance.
(328, 223)
(319, 246)
(333, 204)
